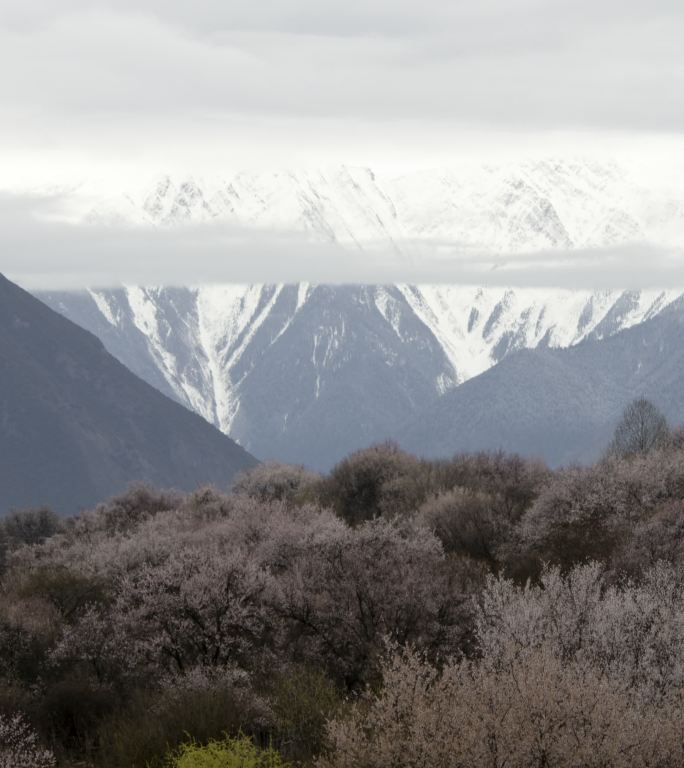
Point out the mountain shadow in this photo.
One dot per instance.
(77, 426)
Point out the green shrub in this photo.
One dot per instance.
(376, 481)
(302, 699)
(466, 522)
(152, 724)
(27, 527)
(227, 753)
(71, 710)
(69, 591)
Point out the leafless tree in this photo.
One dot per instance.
(641, 428)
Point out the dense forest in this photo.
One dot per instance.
(478, 611)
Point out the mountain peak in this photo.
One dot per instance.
(508, 207)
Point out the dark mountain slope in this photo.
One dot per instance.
(77, 426)
(310, 380)
(559, 404)
(339, 378)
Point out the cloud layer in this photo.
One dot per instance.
(99, 86)
(43, 253)
(521, 64)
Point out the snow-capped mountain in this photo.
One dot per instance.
(308, 372)
(562, 404)
(508, 208)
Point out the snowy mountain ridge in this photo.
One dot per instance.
(507, 208)
(259, 361)
(270, 364)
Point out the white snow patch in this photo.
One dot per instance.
(103, 306)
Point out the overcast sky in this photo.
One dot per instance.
(116, 87)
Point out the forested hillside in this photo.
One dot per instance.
(482, 610)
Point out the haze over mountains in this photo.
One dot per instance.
(77, 426)
(306, 373)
